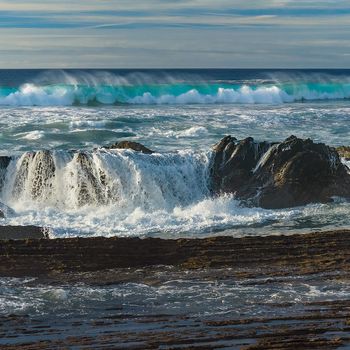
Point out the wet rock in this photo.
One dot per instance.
(22, 232)
(91, 182)
(40, 177)
(4, 163)
(43, 173)
(234, 161)
(344, 152)
(135, 146)
(318, 252)
(287, 174)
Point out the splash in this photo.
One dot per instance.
(123, 193)
(124, 179)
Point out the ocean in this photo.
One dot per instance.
(180, 114)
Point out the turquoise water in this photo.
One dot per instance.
(178, 93)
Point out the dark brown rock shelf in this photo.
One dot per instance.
(22, 232)
(272, 255)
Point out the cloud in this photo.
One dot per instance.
(169, 33)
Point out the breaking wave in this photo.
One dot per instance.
(126, 179)
(104, 88)
(122, 192)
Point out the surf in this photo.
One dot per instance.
(104, 88)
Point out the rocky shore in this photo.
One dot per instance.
(322, 257)
(255, 256)
(290, 173)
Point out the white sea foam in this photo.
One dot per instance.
(96, 124)
(32, 135)
(193, 131)
(32, 95)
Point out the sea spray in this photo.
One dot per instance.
(171, 94)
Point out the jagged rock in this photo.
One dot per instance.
(287, 174)
(43, 173)
(4, 163)
(234, 161)
(92, 186)
(344, 152)
(40, 176)
(130, 145)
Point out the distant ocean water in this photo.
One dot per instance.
(178, 113)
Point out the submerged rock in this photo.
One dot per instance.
(287, 174)
(135, 146)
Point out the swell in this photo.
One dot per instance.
(175, 93)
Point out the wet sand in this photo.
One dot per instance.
(321, 257)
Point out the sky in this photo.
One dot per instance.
(174, 34)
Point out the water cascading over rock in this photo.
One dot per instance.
(53, 178)
(270, 175)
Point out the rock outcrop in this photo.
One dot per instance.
(4, 163)
(135, 146)
(287, 174)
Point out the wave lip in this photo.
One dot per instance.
(171, 94)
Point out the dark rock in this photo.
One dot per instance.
(135, 146)
(22, 232)
(234, 161)
(92, 181)
(41, 174)
(4, 163)
(287, 174)
(303, 254)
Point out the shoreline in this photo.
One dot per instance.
(320, 258)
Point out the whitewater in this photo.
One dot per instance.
(180, 115)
